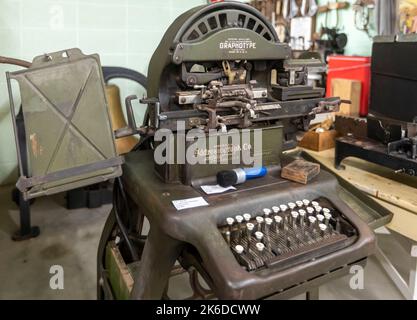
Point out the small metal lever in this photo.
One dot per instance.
(131, 128)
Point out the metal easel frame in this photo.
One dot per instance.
(87, 173)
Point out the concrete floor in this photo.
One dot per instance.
(70, 239)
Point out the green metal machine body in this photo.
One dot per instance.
(219, 68)
(220, 76)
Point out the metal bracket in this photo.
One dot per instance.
(132, 128)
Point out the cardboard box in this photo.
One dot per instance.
(318, 141)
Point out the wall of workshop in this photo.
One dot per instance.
(359, 43)
(124, 33)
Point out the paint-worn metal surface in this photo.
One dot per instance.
(193, 237)
(221, 66)
(69, 138)
(233, 45)
(228, 147)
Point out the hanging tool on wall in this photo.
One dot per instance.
(330, 39)
(308, 8)
(290, 9)
(362, 12)
(332, 7)
(285, 9)
(280, 23)
(334, 44)
(337, 5)
(294, 9)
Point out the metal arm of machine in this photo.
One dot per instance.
(131, 127)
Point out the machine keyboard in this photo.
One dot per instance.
(287, 234)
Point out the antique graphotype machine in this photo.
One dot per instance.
(388, 137)
(220, 72)
(220, 67)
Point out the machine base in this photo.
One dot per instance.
(373, 151)
(178, 236)
(20, 235)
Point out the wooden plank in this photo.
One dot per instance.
(119, 275)
(347, 89)
(375, 180)
(396, 192)
(403, 222)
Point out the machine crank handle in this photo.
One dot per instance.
(131, 128)
(329, 105)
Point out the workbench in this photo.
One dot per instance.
(396, 192)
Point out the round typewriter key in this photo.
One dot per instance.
(239, 249)
(294, 215)
(323, 228)
(310, 210)
(326, 210)
(283, 207)
(327, 217)
(275, 209)
(320, 217)
(314, 203)
(260, 246)
(299, 203)
(259, 235)
(246, 216)
(302, 217)
(318, 209)
(312, 220)
(267, 211)
(268, 221)
(230, 221)
(291, 205)
(249, 228)
(302, 214)
(227, 237)
(259, 221)
(278, 219)
(239, 218)
(306, 202)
